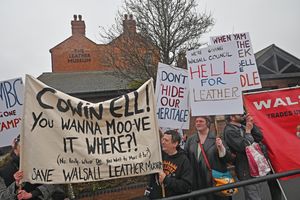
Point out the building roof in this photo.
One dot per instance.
(273, 63)
(69, 39)
(84, 82)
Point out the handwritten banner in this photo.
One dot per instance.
(277, 113)
(249, 75)
(215, 87)
(68, 140)
(172, 97)
(11, 106)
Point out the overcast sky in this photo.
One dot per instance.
(28, 29)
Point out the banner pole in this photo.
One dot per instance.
(216, 127)
(272, 90)
(163, 193)
(71, 191)
(279, 184)
(163, 190)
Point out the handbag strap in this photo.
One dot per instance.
(204, 156)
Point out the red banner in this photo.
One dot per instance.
(277, 113)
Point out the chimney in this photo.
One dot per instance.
(78, 26)
(129, 25)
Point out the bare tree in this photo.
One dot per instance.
(172, 26)
(129, 53)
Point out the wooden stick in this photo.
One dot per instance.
(295, 87)
(279, 184)
(71, 191)
(163, 190)
(216, 126)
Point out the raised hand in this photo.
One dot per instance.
(18, 176)
(220, 147)
(162, 176)
(249, 123)
(22, 194)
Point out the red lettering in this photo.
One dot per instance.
(249, 81)
(227, 72)
(203, 71)
(256, 78)
(9, 124)
(172, 91)
(212, 72)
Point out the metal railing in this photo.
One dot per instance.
(234, 185)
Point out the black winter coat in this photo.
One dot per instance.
(178, 178)
(235, 138)
(7, 173)
(201, 174)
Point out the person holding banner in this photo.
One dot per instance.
(237, 136)
(176, 176)
(8, 187)
(216, 153)
(10, 177)
(7, 193)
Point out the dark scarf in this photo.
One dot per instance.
(7, 171)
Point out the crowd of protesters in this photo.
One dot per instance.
(203, 151)
(184, 169)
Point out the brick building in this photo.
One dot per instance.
(84, 69)
(78, 53)
(87, 70)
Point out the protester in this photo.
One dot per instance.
(217, 155)
(237, 137)
(10, 177)
(176, 176)
(7, 193)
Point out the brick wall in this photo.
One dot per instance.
(125, 194)
(78, 53)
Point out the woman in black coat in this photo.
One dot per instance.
(217, 153)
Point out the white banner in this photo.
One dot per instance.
(215, 87)
(247, 64)
(68, 140)
(11, 108)
(172, 97)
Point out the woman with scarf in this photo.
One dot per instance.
(216, 153)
